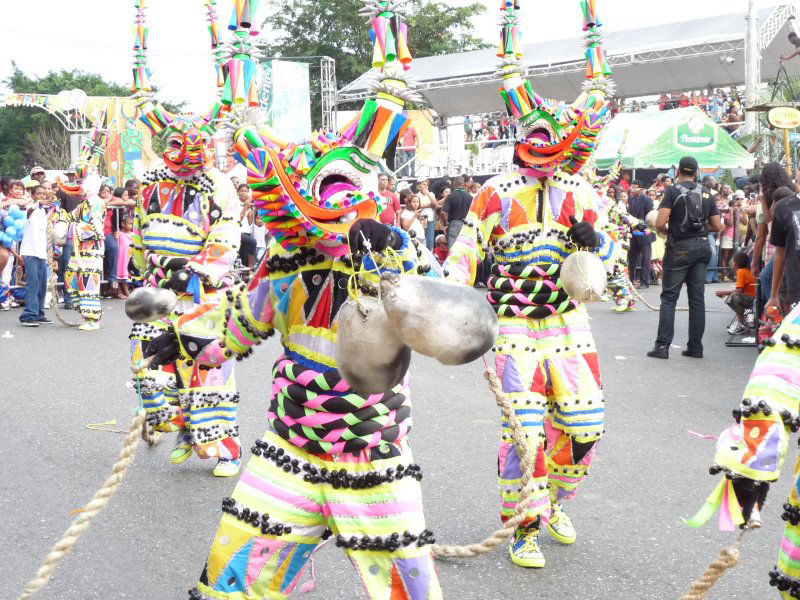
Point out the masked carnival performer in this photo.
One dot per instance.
(620, 227)
(751, 452)
(332, 462)
(532, 219)
(85, 268)
(185, 238)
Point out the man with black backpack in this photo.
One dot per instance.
(686, 214)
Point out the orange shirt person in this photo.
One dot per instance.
(741, 298)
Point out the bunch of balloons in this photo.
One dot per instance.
(12, 226)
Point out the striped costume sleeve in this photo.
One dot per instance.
(596, 214)
(232, 326)
(472, 243)
(215, 261)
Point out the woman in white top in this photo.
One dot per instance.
(428, 204)
(411, 218)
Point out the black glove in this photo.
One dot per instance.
(380, 236)
(165, 348)
(641, 226)
(583, 234)
(750, 493)
(178, 280)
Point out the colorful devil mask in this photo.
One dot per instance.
(310, 193)
(556, 135)
(187, 136)
(186, 152)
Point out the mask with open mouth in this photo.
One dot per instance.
(310, 193)
(555, 135)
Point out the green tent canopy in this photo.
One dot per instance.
(659, 139)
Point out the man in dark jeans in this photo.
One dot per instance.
(687, 213)
(639, 252)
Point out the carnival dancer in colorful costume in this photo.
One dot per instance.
(751, 452)
(85, 269)
(332, 462)
(532, 219)
(620, 227)
(185, 238)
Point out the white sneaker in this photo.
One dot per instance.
(737, 329)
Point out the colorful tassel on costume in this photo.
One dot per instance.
(723, 498)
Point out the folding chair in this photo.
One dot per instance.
(753, 313)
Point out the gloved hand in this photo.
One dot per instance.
(165, 348)
(583, 234)
(380, 236)
(641, 226)
(178, 280)
(750, 494)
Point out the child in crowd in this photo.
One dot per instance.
(33, 250)
(741, 298)
(441, 250)
(123, 255)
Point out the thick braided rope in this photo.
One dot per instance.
(728, 558)
(100, 500)
(526, 484)
(53, 281)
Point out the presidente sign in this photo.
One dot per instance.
(696, 133)
(784, 117)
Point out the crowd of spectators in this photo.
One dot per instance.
(37, 191)
(724, 107)
(758, 234)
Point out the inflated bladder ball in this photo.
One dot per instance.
(453, 323)
(583, 276)
(60, 233)
(650, 219)
(369, 355)
(147, 304)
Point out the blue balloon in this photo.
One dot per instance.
(15, 211)
(19, 224)
(11, 232)
(8, 221)
(5, 240)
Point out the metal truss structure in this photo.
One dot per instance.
(767, 32)
(327, 84)
(328, 92)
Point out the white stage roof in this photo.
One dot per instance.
(648, 61)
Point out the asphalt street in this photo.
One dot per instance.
(152, 540)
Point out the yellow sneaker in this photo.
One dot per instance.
(227, 468)
(561, 527)
(90, 326)
(524, 548)
(181, 452)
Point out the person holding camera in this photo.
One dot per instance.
(687, 214)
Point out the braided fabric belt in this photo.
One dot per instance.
(319, 412)
(529, 291)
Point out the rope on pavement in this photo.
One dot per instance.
(526, 484)
(100, 500)
(642, 299)
(727, 559)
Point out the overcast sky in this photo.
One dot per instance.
(96, 35)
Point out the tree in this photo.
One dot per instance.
(28, 136)
(312, 28)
